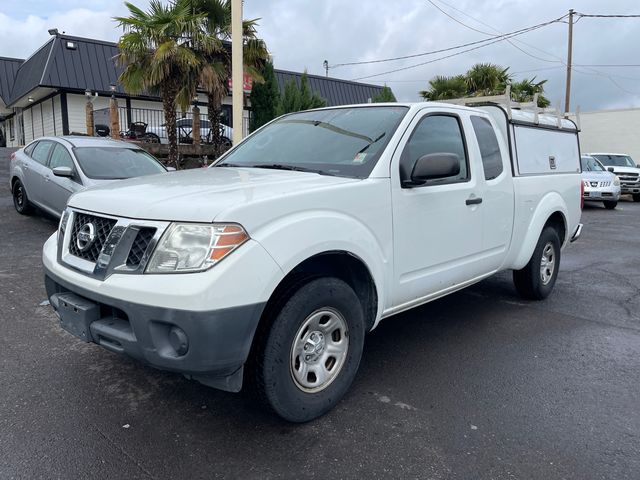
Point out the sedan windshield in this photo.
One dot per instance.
(615, 160)
(590, 164)
(109, 163)
(340, 141)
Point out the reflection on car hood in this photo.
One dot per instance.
(197, 195)
(598, 176)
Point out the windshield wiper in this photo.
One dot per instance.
(378, 138)
(229, 165)
(295, 168)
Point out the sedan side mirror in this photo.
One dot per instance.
(63, 172)
(434, 166)
(610, 169)
(638, 165)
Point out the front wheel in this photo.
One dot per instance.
(20, 199)
(610, 204)
(308, 357)
(536, 280)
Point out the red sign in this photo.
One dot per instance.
(247, 83)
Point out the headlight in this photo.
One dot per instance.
(616, 181)
(586, 184)
(191, 247)
(62, 226)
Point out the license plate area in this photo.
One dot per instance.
(76, 314)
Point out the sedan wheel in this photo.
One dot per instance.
(20, 199)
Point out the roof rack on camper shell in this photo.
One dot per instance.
(523, 111)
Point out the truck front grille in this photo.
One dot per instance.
(89, 249)
(139, 246)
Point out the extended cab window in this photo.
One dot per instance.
(489, 148)
(41, 152)
(436, 134)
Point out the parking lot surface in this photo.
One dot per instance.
(478, 385)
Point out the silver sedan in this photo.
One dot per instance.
(46, 172)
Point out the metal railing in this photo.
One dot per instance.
(151, 123)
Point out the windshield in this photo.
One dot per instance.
(340, 141)
(616, 160)
(109, 163)
(590, 164)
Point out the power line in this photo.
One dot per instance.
(495, 30)
(489, 41)
(484, 41)
(608, 65)
(606, 16)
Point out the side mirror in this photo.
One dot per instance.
(638, 165)
(610, 169)
(434, 166)
(63, 172)
(171, 169)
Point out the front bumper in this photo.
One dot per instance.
(217, 341)
(599, 194)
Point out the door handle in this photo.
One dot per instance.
(473, 201)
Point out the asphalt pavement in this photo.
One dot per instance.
(478, 385)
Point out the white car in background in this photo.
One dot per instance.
(625, 168)
(600, 185)
(185, 132)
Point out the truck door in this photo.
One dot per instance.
(437, 226)
(496, 189)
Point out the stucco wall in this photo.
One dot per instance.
(615, 131)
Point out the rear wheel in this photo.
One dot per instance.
(309, 352)
(20, 199)
(536, 280)
(610, 204)
(636, 197)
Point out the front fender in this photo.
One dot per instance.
(551, 203)
(294, 238)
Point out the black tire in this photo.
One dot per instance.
(636, 197)
(610, 204)
(273, 361)
(529, 281)
(20, 199)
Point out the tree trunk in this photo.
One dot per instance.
(214, 110)
(169, 93)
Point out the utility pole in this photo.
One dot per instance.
(237, 69)
(567, 97)
(325, 64)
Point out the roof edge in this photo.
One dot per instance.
(321, 77)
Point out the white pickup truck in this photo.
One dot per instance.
(271, 265)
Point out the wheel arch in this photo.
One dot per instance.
(552, 211)
(332, 263)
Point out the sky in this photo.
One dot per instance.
(301, 34)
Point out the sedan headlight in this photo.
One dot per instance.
(586, 184)
(192, 247)
(616, 181)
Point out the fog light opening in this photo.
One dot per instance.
(178, 340)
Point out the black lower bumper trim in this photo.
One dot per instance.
(219, 341)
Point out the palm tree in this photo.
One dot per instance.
(445, 88)
(524, 90)
(213, 74)
(156, 51)
(487, 79)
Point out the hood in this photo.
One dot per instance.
(197, 195)
(624, 169)
(598, 176)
